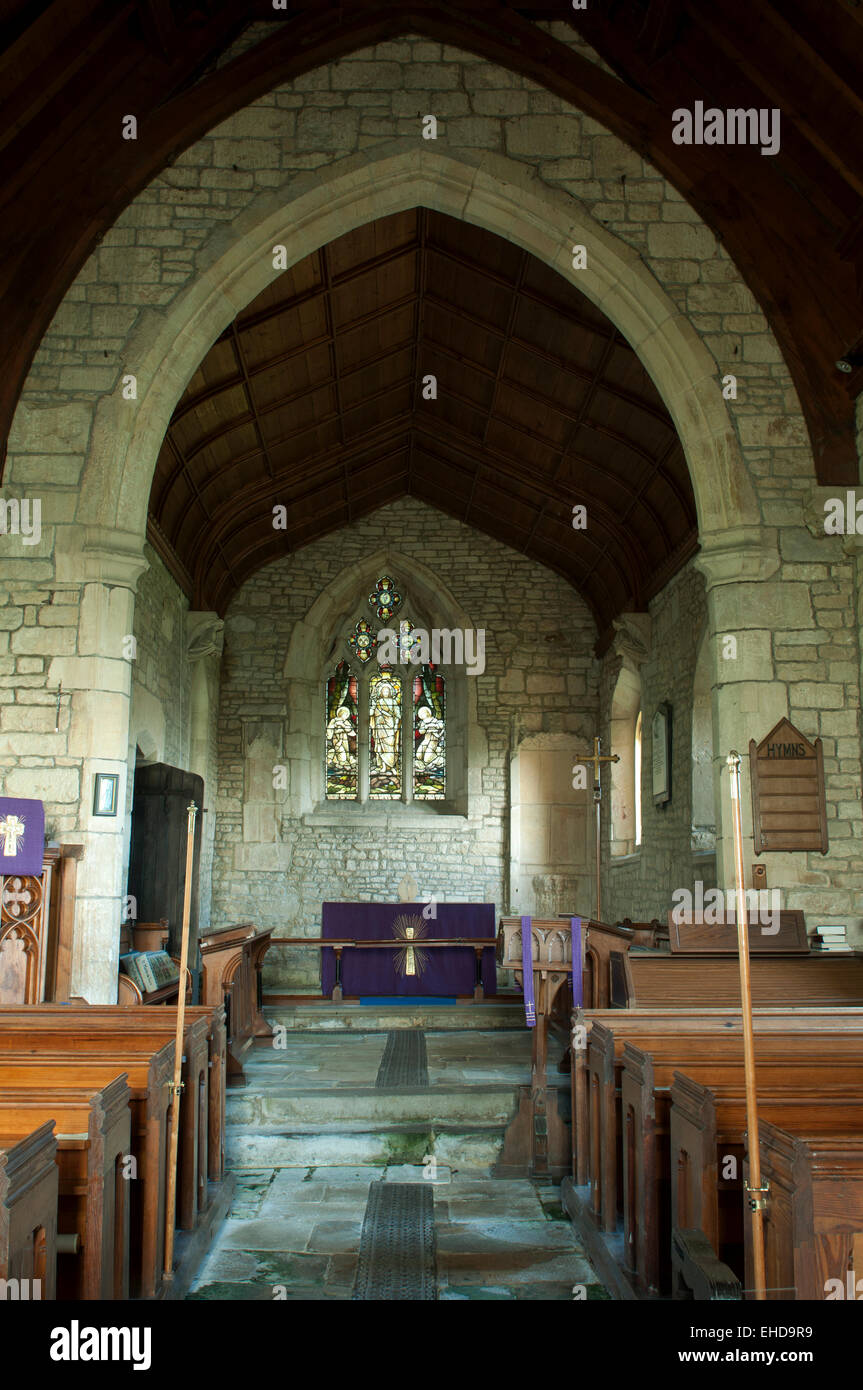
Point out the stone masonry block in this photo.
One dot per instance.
(327, 130)
(553, 137)
(41, 641)
(52, 784)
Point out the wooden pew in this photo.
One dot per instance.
(685, 981)
(149, 1080)
(707, 1126)
(597, 1067)
(28, 1212)
(96, 1020)
(807, 1063)
(25, 1041)
(93, 1134)
(814, 1217)
(232, 961)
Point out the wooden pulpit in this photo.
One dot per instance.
(37, 921)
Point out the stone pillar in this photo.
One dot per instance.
(97, 679)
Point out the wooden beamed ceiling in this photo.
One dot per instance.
(70, 69)
(312, 399)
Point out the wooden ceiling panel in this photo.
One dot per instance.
(313, 399)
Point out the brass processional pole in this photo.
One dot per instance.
(177, 1086)
(756, 1194)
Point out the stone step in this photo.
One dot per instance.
(465, 1149)
(323, 1017)
(309, 1108)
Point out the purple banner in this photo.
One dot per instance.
(577, 963)
(22, 836)
(527, 972)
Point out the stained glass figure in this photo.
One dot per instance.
(341, 740)
(429, 715)
(385, 736)
(385, 599)
(407, 641)
(362, 641)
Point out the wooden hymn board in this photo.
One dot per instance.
(788, 806)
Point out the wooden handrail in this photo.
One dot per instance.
(395, 944)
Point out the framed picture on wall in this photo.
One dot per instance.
(105, 793)
(661, 730)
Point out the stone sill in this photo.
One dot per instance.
(625, 858)
(397, 816)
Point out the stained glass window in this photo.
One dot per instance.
(429, 716)
(385, 736)
(362, 641)
(385, 599)
(341, 740)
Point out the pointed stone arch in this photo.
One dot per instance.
(489, 190)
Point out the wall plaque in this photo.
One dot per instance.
(788, 806)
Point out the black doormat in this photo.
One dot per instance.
(397, 1245)
(405, 1060)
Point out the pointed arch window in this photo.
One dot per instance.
(386, 724)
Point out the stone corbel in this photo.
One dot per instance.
(740, 555)
(101, 555)
(205, 635)
(631, 641)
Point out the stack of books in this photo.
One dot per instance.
(831, 938)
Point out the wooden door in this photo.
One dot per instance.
(157, 860)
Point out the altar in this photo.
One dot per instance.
(409, 967)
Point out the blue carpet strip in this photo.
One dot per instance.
(391, 1001)
(397, 1246)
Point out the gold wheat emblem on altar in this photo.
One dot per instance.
(411, 959)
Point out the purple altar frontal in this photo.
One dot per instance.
(446, 971)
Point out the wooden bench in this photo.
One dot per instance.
(93, 1135)
(802, 1063)
(149, 1080)
(813, 1229)
(597, 1068)
(28, 1212)
(83, 1022)
(192, 1155)
(707, 1128)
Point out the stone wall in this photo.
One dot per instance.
(530, 685)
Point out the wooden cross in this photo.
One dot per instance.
(597, 757)
(12, 830)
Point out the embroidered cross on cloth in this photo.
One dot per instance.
(22, 836)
